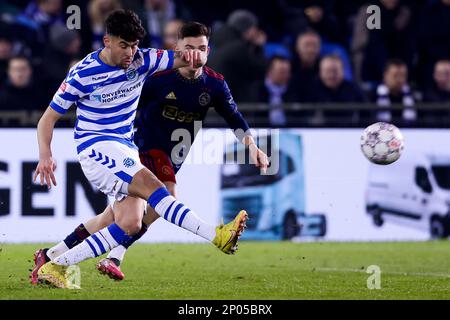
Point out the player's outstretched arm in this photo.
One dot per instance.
(46, 165)
(258, 156)
(188, 58)
(228, 109)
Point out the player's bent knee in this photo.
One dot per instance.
(128, 214)
(144, 183)
(130, 226)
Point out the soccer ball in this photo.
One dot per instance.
(382, 143)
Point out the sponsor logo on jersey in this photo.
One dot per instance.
(99, 78)
(63, 86)
(97, 97)
(108, 97)
(171, 95)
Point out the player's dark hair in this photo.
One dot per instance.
(194, 29)
(394, 63)
(125, 24)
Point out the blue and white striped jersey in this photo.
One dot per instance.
(107, 97)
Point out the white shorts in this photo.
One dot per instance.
(110, 166)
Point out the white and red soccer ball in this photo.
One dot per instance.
(382, 143)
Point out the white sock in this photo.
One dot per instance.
(193, 223)
(93, 246)
(117, 253)
(177, 213)
(57, 250)
(75, 255)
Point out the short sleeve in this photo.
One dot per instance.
(69, 92)
(158, 60)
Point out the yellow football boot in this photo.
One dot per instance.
(57, 276)
(228, 235)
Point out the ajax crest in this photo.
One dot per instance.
(204, 99)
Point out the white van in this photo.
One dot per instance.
(413, 191)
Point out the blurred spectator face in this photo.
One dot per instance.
(308, 48)
(170, 34)
(331, 72)
(395, 77)
(74, 47)
(106, 6)
(442, 75)
(5, 49)
(280, 72)
(389, 4)
(255, 36)
(195, 43)
(19, 72)
(98, 10)
(314, 14)
(65, 40)
(51, 7)
(446, 2)
(156, 4)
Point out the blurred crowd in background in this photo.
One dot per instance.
(273, 52)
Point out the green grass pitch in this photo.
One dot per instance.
(260, 270)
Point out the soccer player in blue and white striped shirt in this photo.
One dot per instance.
(105, 86)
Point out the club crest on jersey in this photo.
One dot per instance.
(128, 162)
(131, 74)
(204, 99)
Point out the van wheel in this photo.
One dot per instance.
(439, 228)
(290, 226)
(377, 218)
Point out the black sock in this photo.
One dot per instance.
(116, 261)
(137, 236)
(76, 237)
(47, 258)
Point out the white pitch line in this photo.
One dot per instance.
(419, 274)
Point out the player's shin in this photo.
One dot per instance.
(95, 245)
(177, 213)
